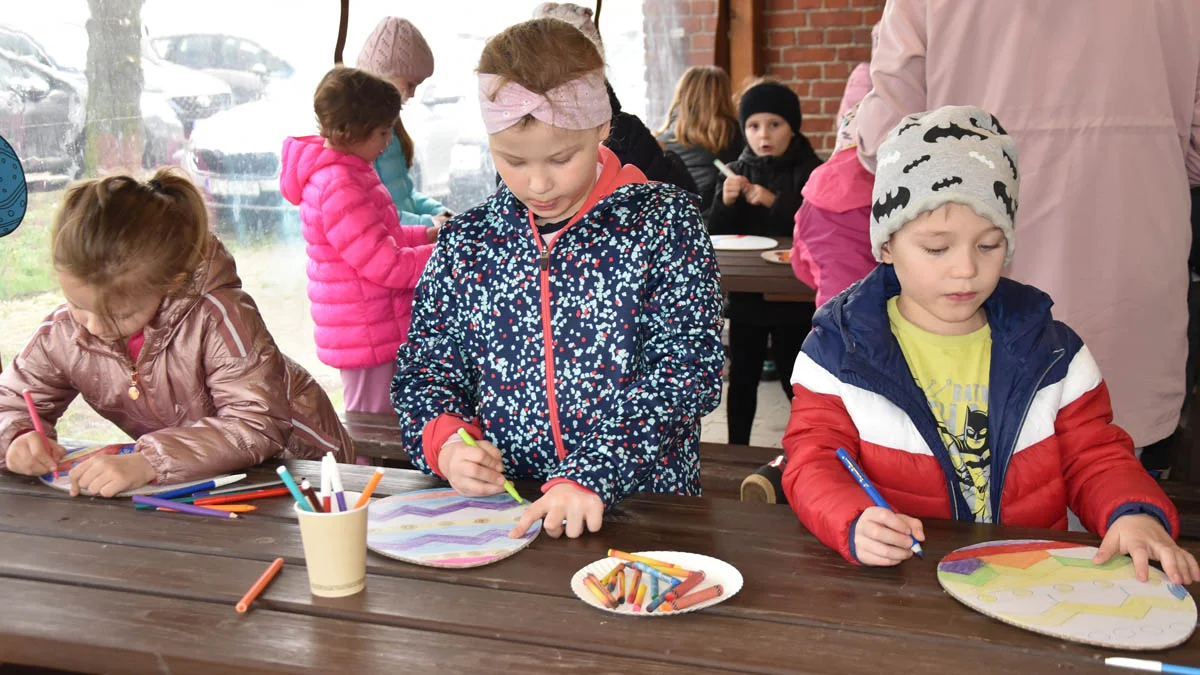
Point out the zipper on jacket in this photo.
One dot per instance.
(547, 336)
(998, 485)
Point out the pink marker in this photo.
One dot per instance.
(37, 424)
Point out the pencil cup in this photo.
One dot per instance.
(335, 549)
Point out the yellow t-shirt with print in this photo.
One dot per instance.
(953, 372)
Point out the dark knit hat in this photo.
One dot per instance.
(771, 97)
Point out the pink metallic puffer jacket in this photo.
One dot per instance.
(215, 395)
(362, 264)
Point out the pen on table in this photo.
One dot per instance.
(181, 507)
(863, 482)
(249, 487)
(201, 487)
(1150, 666)
(508, 484)
(37, 425)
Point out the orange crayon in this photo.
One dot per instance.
(257, 588)
(633, 586)
(599, 591)
(621, 588)
(686, 585)
(695, 598)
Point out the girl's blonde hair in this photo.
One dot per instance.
(125, 237)
(351, 103)
(704, 103)
(540, 55)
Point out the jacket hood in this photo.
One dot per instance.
(304, 156)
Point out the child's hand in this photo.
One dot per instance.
(883, 538)
(472, 471)
(1142, 537)
(27, 456)
(732, 189)
(759, 195)
(563, 502)
(431, 232)
(110, 475)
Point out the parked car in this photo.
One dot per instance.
(42, 116)
(242, 64)
(192, 95)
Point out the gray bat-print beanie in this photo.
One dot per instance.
(957, 154)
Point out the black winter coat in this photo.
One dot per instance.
(699, 161)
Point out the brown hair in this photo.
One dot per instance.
(351, 103)
(123, 236)
(540, 55)
(706, 116)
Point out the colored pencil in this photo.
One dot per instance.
(370, 489)
(306, 488)
(249, 487)
(241, 497)
(257, 588)
(201, 487)
(508, 484)
(293, 488)
(37, 425)
(866, 485)
(227, 508)
(182, 508)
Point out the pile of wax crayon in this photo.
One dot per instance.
(649, 585)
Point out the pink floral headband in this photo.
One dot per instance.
(581, 103)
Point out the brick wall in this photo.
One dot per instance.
(811, 45)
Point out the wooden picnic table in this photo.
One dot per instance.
(747, 272)
(92, 585)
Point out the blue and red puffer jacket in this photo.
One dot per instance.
(590, 359)
(1053, 444)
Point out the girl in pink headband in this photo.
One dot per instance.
(572, 322)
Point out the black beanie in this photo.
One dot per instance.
(770, 97)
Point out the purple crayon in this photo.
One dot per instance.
(181, 507)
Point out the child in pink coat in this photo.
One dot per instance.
(362, 264)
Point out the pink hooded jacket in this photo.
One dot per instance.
(362, 264)
(217, 396)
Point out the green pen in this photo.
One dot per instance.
(508, 484)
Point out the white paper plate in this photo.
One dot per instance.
(781, 256)
(742, 242)
(715, 572)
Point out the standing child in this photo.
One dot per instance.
(572, 320)
(762, 199)
(397, 52)
(158, 337)
(955, 389)
(362, 263)
(702, 125)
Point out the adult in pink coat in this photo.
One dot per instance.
(1102, 99)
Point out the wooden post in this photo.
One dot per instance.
(721, 42)
(745, 27)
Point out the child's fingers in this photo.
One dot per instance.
(1192, 566)
(890, 531)
(57, 452)
(480, 472)
(1109, 547)
(536, 510)
(574, 526)
(108, 485)
(1141, 562)
(486, 455)
(915, 526)
(473, 487)
(595, 518)
(878, 554)
(1170, 563)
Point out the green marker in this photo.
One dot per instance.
(508, 484)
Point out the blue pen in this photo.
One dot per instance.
(200, 487)
(1150, 666)
(873, 493)
(293, 488)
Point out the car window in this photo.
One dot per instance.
(195, 51)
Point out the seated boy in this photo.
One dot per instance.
(953, 388)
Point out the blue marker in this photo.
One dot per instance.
(1150, 666)
(293, 488)
(873, 493)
